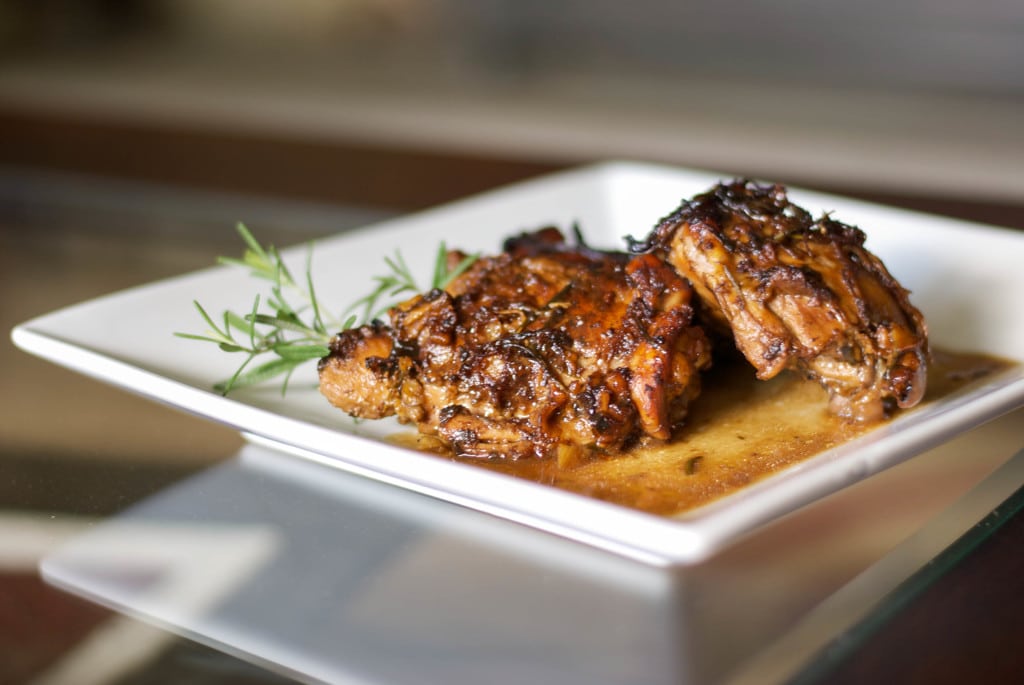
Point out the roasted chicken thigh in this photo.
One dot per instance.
(545, 350)
(556, 350)
(797, 292)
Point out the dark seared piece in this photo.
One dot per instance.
(546, 350)
(798, 292)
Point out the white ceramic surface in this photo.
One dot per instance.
(964, 277)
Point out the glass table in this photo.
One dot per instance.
(141, 545)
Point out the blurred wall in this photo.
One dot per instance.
(970, 47)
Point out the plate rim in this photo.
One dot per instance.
(681, 540)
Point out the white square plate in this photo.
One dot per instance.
(965, 278)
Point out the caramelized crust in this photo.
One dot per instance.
(546, 350)
(551, 350)
(800, 293)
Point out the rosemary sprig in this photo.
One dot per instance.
(399, 280)
(293, 334)
(298, 333)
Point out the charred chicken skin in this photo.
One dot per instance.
(797, 292)
(546, 350)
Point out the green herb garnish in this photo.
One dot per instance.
(400, 280)
(298, 333)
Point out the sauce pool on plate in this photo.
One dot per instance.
(738, 431)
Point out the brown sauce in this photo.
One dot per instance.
(739, 430)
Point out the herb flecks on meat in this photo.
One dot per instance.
(800, 293)
(545, 350)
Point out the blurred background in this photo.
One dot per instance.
(134, 133)
(915, 98)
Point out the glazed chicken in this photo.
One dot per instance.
(545, 350)
(797, 292)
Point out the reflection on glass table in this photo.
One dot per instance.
(321, 575)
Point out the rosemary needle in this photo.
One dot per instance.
(298, 329)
